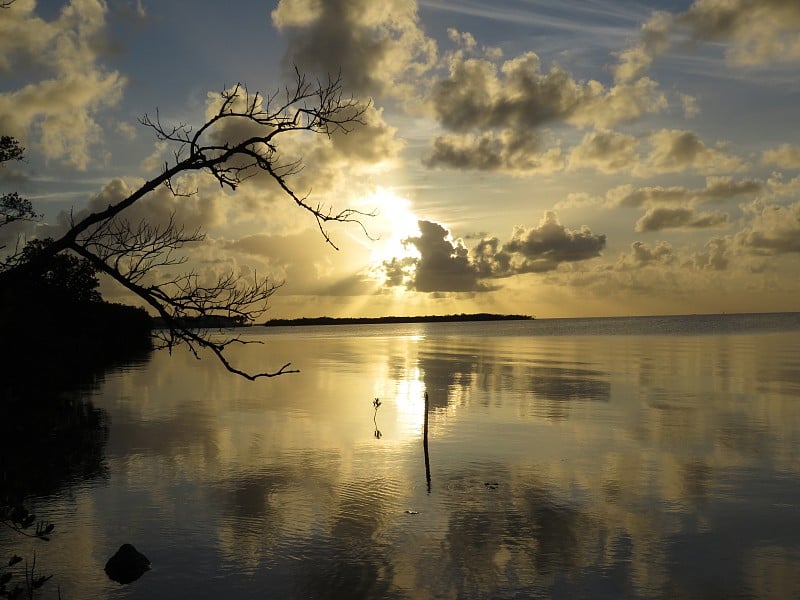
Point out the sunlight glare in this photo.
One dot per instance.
(394, 223)
(411, 404)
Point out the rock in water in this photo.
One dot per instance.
(127, 565)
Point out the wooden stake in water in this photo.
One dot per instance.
(425, 445)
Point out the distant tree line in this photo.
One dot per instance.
(377, 320)
(55, 314)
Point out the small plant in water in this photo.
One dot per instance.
(20, 520)
(376, 403)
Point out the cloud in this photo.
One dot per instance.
(676, 150)
(606, 151)
(774, 229)
(497, 114)
(58, 112)
(446, 265)
(717, 189)
(642, 254)
(715, 256)
(202, 210)
(515, 152)
(379, 47)
(543, 247)
(476, 95)
(757, 32)
(127, 130)
(658, 219)
(669, 151)
(443, 264)
(689, 104)
(653, 41)
(525, 151)
(786, 156)
(302, 260)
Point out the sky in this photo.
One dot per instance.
(556, 158)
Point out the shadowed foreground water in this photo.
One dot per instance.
(576, 458)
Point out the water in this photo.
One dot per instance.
(594, 458)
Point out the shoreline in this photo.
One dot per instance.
(308, 321)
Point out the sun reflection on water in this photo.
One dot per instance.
(410, 401)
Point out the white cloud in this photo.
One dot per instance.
(675, 150)
(773, 230)
(606, 151)
(59, 111)
(653, 40)
(786, 156)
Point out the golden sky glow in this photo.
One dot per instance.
(552, 158)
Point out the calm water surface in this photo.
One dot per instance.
(614, 458)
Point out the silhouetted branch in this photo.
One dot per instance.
(131, 255)
(13, 207)
(135, 255)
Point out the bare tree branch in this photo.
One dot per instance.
(13, 207)
(135, 255)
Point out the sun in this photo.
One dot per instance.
(394, 222)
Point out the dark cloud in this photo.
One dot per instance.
(477, 96)
(396, 270)
(510, 150)
(443, 265)
(542, 248)
(448, 266)
(474, 97)
(773, 243)
(373, 44)
(658, 219)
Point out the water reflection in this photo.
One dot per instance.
(561, 467)
(52, 435)
(52, 442)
